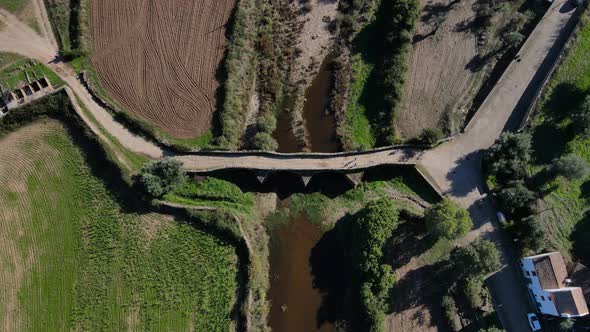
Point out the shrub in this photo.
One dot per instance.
(532, 233)
(472, 291)
(447, 220)
(160, 177)
(566, 325)
(431, 135)
(477, 259)
(264, 141)
(507, 158)
(571, 167)
(512, 39)
(516, 198)
(372, 227)
(492, 329)
(450, 311)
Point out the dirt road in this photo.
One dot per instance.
(456, 166)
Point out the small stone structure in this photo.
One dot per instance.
(23, 95)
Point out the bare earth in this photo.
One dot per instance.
(437, 77)
(159, 59)
(315, 39)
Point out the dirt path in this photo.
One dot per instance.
(456, 166)
(43, 18)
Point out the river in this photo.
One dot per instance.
(319, 123)
(295, 302)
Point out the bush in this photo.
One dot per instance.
(160, 177)
(431, 135)
(477, 259)
(372, 227)
(532, 233)
(447, 220)
(516, 198)
(508, 157)
(450, 311)
(492, 329)
(472, 291)
(264, 141)
(571, 167)
(566, 325)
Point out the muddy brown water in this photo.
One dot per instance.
(294, 301)
(320, 125)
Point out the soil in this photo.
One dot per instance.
(315, 39)
(438, 77)
(159, 59)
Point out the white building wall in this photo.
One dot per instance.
(543, 298)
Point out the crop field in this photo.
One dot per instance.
(73, 258)
(566, 216)
(159, 59)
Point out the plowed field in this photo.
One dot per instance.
(159, 58)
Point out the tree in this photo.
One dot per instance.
(264, 141)
(431, 136)
(160, 177)
(571, 167)
(371, 228)
(509, 155)
(516, 197)
(513, 39)
(532, 233)
(447, 220)
(566, 325)
(473, 290)
(477, 259)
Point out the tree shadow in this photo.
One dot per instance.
(408, 240)
(333, 275)
(579, 239)
(425, 287)
(466, 175)
(550, 138)
(585, 190)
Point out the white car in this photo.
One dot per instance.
(534, 322)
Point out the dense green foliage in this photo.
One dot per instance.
(477, 259)
(506, 160)
(49, 106)
(260, 54)
(110, 270)
(516, 198)
(447, 220)
(378, 73)
(571, 167)
(431, 136)
(373, 226)
(65, 20)
(160, 177)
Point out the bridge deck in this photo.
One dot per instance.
(312, 162)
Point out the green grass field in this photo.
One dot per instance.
(73, 258)
(565, 211)
(13, 6)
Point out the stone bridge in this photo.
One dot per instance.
(263, 164)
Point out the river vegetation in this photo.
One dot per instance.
(259, 60)
(118, 264)
(546, 168)
(375, 75)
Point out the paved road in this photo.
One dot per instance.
(456, 166)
